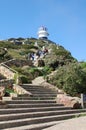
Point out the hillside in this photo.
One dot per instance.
(33, 57)
(16, 50)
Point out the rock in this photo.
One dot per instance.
(68, 101)
(41, 63)
(2, 92)
(74, 104)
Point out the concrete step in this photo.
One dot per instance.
(36, 112)
(29, 121)
(30, 101)
(33, 109)
(44, 94)
(38, 88)
(33, 98)
(33, 105)
(35, 88)
(15, 116)
(35, 126)
(32, 86)
(41, 91)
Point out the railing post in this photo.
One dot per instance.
(82, 100)
(17, 81)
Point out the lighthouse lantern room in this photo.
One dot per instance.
(42, 33)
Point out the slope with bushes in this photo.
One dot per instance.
(70, 76)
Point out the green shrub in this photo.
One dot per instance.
(35, 72)
(15, 78)
(46, 70)
(71, 78)
(24, 79)
(83, 66)
(18, 69)
(8, 91)
(7, 56)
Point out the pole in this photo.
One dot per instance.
(82, 100)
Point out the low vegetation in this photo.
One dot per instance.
(70, 75)
(71, 78)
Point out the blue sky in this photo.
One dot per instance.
(65, 20)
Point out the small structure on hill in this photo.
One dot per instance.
(43, 33)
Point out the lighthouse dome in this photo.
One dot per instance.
(42, 33)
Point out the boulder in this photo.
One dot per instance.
(2, 92)
(41, 63)
(68, 101)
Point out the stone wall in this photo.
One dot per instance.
(2, 92)
(6, 82)
(9, 74)
(20, 91)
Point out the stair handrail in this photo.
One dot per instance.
(12, 70)
(8, 66)
(6, 82)
(8, 61)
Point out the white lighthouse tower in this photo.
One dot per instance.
(42, 33)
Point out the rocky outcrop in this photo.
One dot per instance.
(41, 63)
(68, 101)
(6, 71)
(19, 63)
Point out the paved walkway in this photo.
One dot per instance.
(71, 124)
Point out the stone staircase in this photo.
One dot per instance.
(36, 112)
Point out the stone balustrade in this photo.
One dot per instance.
(9, 74)
(2, 92)
(20, 91)
(6, 82)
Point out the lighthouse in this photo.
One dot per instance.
(43, 33)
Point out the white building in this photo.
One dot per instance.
(42, 33)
